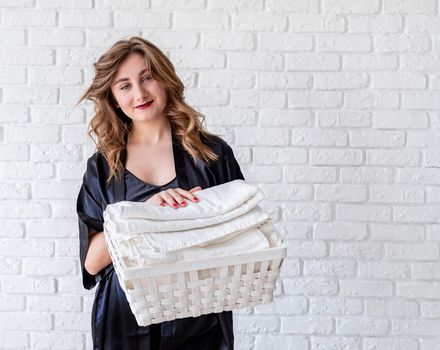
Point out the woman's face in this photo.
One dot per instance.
(140, 97)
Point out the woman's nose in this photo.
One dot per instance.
(139, 92)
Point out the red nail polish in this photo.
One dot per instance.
(162, 204)
(196, 199)
(183, 203)
(174, 205)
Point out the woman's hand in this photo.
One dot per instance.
(174, 197)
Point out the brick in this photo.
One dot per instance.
(57, 340)
(384, 270)
(87, 19)
(57, 115)
(340, 231)
(340, 193)
(275, 80)
(335, 156)
(312, 62)
(31, 95)
(188, 5)
(54, 303)
(393, 343)
(286, 42)
(25, 321)
(419, 63)
(315, 99)
(402, 43)
(306, 249)
(372, 100)
(333, 268)
(79, 4)
(72, 321)
(279, 155)
(407, 309)
(25, 170)
(319, 137)
(396, 194)
(416, 327)
(14, 339)
(10, 266)
(320, 343)
(309, 324)
(279, 117)
(49, 267)
(364, 212)
(55, 76)
(351, 119)
(259, 136)
(228, 41)
(254, 21)
(310, 174)
(400, 120)
(214, 20)
(419, 176)
(283, 306)
(298, 6)
(32, 134)
(366, 288)
(235, 80)
(12, 303)
(367, 251)
(24, 209)
(279, 341)
(365, 326)
(337, 81)
(410, 6)
(256, 61)
(307, 211)
(411, 251)
(367, 175)
(56, 38)
(394, 232)
(29, 18)
(287, 192)
(316, 23)
(13, 114)
(371, 62)
(349, 7)
(310, 286)
(262, 324)
(422, 24)
(412, 214)
(335, 306)
(399, 81)
(344, 43)
(258, 99)
(375, 24)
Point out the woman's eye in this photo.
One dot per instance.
(147, 77)
(124, 87)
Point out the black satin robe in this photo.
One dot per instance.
(113, 325)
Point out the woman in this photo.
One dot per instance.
(150, 146)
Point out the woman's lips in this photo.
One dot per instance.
(145, 105)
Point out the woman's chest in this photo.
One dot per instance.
(152, 165)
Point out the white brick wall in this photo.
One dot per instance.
(331, 106)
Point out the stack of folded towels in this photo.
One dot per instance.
(226, 221)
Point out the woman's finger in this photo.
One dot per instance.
(187, 194)
(177, 199)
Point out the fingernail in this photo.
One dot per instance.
(162, 204)
(183, 203)
(174, 205)
(196, 199)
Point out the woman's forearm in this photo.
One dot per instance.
(98, 256)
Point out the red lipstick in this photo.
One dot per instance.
(145, 105)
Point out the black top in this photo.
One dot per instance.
(113, 324)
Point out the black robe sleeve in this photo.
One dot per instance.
(90, 216)
(230, 165)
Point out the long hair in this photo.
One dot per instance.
(110, 126)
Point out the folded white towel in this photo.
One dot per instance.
(227, 220)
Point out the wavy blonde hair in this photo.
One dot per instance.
(110, 126)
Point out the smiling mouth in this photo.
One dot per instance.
(145, 105)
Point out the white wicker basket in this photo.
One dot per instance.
(165, 292)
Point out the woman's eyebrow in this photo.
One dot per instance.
(126, 79)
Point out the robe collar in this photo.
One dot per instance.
(179, 164)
